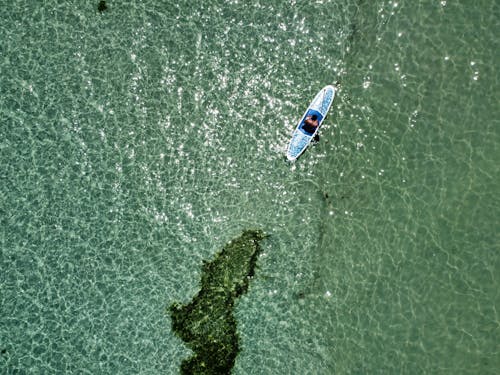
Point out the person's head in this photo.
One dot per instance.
(314, 117)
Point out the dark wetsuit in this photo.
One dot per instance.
(309, 128)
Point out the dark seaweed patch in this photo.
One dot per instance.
(207, 324)
(102, 6)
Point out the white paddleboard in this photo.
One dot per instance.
(301, 137)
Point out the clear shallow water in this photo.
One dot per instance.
(135, 143)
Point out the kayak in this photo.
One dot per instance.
(302, 135)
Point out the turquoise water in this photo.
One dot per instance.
(135, 143)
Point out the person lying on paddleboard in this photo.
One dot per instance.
(310, 124)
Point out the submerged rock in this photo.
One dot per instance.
(207, 324)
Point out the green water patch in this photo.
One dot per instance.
(207, 324)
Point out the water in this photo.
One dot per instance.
(135, 143)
